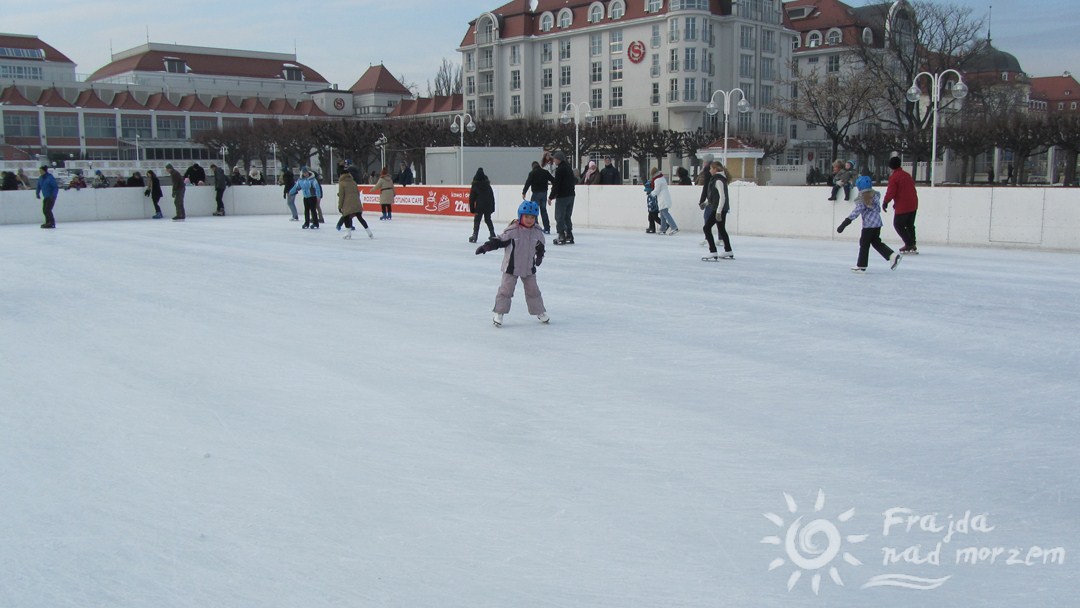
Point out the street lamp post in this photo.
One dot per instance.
(565, 118)
(136, 150)
(381, 144)
(712, 109)
(458, 125)
(959, 90)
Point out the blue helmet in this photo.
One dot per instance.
(528, 208)
(864, 182)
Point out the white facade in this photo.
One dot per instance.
(656, 64)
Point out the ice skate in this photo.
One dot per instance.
(895, 259)
(858, 269)
(543, 317)
(369, 234)
(497, 319)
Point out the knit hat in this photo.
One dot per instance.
(864, 182)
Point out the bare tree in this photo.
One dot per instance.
(447, 80)
(1065, 129)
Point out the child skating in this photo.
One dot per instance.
(868, 205)
(524, 244)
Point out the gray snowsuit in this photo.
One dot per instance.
(524, 252)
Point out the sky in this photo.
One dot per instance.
(341, 38)
(237, 412)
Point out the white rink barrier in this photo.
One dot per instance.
(1033, 218)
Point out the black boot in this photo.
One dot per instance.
(472, 239)
(559, 240)
(569, 238)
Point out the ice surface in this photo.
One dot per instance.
(235, 412)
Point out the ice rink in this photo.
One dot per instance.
(237, 413)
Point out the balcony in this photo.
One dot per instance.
(486, 88)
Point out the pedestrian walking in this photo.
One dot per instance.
(524, 244)
(868, 207)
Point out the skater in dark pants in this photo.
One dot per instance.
(310, 189)
(178, 189)
(221, 182)
(716, 208)
(867, 205)
(385, 189)
(288, 180)
(538, 181)
(901, 192)
(524, 243)
(47, 189)
(653, 207)
(562, 194)
(154, 192)
(349, 205)
(481, 204)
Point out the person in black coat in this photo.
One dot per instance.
(538, 181)
(562, 194)
(288, 179)
(154, 192)
(481, 203)
(609, 175)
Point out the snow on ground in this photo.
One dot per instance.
(234, 412)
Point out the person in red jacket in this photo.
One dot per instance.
(901, 189)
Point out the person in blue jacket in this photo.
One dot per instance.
(310, 189)
(47, 191)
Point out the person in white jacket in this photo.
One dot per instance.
(663, 200)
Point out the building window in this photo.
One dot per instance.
(515, 80)
(766, 94)
(867, 36)
(673, 30)
(813, 39)
(655, 70)
(656, 118)
(175, 66)
(293, 74)
(487, 59)
(833, 65)
(690, 60)
(103, 127)
(673, 61)
(654, 99)
(654, 40)
(545, 104)
(470, 85)
(617, 120)
(202, 125)
(61, 125)
(653, 6)
(689, 90)
(470, 106)
(470, 65)
(746, 122)
(545, 52)
(616, 97)
(834, 36)
(768, 41)
(690, 31)
(616, 68)
(564, 76)
(547, 22)
(765, 124)
(21, 71)
(171, 127)
(565, 18)
(130, 126)
(617, 9)
(564, 99)
(673, 90)
(596, 99)
(596, 71)
(596, 44)
(515, 55)
(794, 134)
(545, 78)
(746, 66)
(596, 13)
(564, 50)
(768, 69)
(615, 41)
(746, 37)
(515, 105)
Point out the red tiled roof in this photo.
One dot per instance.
(12, 96)
(440, 104)
(378, 79)
(307, 107)
(252, 105)
(192, 103)
(160, 101)
(15, 41)
(206, 65)
(222, 103)
(51, 98)
(1055, 88)
(282, 107)
(124, 100)
(89, 99)
(515, 20)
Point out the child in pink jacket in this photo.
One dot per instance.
(524, 244)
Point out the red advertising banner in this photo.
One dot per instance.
(424, 200)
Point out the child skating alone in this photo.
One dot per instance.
(868, 205)
(524, 244)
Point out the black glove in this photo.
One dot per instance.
(843, 224)
(482, 249)
(539, 259)
(885, 206)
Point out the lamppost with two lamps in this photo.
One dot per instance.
(458, 125)
(743, 106)
(959, 90)
(565, 118)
